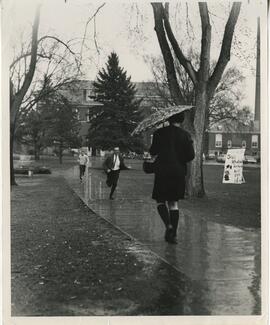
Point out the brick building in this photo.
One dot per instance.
(81, 92)
(218, 141)
(223, 137)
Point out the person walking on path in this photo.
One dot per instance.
(174, 149)
(83, 161)
(112, 165)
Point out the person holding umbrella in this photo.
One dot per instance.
(173, 147)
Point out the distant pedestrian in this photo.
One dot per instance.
(83, 160)
(173, 147)
(112, 165)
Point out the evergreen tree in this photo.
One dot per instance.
(112, 124)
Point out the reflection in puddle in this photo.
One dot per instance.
(224, 260)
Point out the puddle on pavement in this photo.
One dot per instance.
(29, 181)
(225, 259)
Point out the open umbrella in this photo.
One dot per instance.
(159, 116)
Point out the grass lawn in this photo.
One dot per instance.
(234, 204)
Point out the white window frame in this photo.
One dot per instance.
(77, 113)
(254, 141)
(86, 93)
(218, 140)
(244, 144)
(229, 143)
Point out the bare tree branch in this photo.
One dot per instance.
(29, 53)
(57, 40)
(205, 42)
(86, 26)
(23, 56)
(158, 10)
(95, 36)
(178, 52)
(41, 94)
(224, 56)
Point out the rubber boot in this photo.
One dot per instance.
(174, 215)
(165, 216)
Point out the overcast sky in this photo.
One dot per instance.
(128, 29)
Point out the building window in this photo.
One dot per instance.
(91, 94)
(254, 141)
(218, 140)
(77, 114)
(84, 94)
(244, 144)
(229, 143)
(88, 115)
(88, 95)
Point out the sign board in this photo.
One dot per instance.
(233, 168)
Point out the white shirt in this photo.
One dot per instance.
(116, 162)
(83, 159)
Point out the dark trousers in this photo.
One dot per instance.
(82, 171)
(112, 180)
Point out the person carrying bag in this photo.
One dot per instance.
(173, 148)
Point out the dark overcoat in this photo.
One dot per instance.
(173, 147)
(109, 163)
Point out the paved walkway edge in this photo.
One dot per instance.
(122, 231)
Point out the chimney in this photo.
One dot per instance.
(258, 81)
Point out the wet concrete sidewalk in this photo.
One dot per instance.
(222, 261)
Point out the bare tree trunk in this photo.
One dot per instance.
(19, 96)
(60, 153)
(196, 184)
(37, 151)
